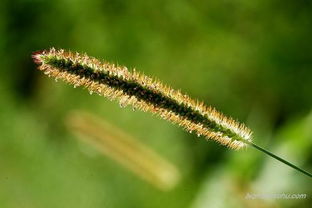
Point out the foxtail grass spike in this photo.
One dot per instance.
(142, 92)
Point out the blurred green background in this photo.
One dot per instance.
(252, 60)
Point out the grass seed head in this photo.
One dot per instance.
(142, 92)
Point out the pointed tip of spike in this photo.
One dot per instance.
(36, 56)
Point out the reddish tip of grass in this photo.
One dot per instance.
(36, 58)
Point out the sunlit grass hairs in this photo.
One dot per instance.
(142, 92)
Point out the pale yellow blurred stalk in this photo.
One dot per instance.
(121, 147)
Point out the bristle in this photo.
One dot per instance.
(144, 93)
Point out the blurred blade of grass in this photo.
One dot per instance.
(233, 189)
(121, 147)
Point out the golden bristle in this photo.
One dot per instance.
(224, 130)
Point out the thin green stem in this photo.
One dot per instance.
(279, 159)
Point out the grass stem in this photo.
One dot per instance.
(279, 158)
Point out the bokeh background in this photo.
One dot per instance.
(252, 60)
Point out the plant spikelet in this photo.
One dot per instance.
(144, 93)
